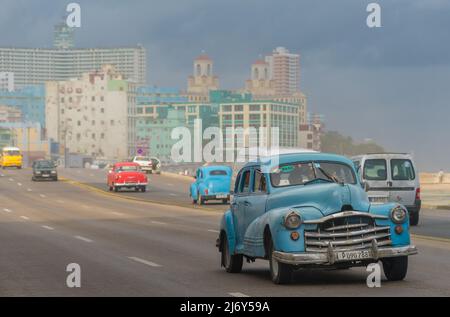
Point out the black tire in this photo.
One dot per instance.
(143, 189)
(116, 189)
(395, 269)
(231, 263)
(33, 179)
(280, 273)
(110, 188)
(225, 201)
(414, 219)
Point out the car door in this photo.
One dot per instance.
(238, 205)
(255, 202)
(375, 173)
(403, 178)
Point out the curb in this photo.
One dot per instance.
(174, 175)
(149, 201)
(430, 238)
(438, 207)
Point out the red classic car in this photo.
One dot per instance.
(127, 175)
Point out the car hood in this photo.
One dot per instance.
(328, 198)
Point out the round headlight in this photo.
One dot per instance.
(292, 221)
(398, 214)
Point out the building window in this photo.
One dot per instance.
(79, 123)
(226, 108)
(140, 110)
(62, 99)
(102, 136)
(112, 122)
(238, 108)
(93, 98)
(102, 110)
(255, 107)
(102, 98)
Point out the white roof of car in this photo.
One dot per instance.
(11, 148)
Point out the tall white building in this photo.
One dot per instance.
(93, 115)
(7, 81)
(284, 70)
(38, 65)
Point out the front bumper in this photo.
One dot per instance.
(130, 184)
(216, 197)
(330, 257)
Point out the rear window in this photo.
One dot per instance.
(127, 168)
(402, 170)
(218, 173)
(375, 170)
(142, 158)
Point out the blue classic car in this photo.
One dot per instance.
(211, 183)
(303, 210)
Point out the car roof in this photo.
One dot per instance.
(381, 155)
(271, 161)
(210, 168)
(11, 148)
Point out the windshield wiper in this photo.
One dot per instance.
(319, 178)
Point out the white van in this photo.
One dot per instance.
(391, 177)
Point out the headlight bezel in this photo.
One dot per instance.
(395, 219)
(292, 225)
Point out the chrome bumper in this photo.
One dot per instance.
(329, 257)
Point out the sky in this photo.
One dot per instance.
(389, 84)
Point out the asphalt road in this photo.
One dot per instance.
(134, 248)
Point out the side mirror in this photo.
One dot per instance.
(195, 176)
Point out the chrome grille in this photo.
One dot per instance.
(346, 233)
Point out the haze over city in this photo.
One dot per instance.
(387, 84)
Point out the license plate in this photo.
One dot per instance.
(45, 175)
(221, 196)
(353, 255)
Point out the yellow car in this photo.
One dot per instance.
(11, 157)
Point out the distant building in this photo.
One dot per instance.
(260, 85)
(202, 80)
(154, 134)
(311, 132)
(62, 62)
(7, 81)
(10, 114)
(30, 100)
(284, 70)
(63, 36)
(93, 115)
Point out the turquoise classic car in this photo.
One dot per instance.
(304, 210)
(211, 183)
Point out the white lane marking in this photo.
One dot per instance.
(83, 239)
(169, 184)
(11, 179)
(48, 227)
(237, 294)
(172, 194)
(19, 184)
(7, 210)
(85, 206)
(29, 190)
(212, 230)
(117, 213)
(2, 175)
(153, 264)
(159, 223)
(25, 217)
(60, 201)
(42, 195)
(92, 175)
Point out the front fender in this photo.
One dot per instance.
(402, 239)
(227, 226)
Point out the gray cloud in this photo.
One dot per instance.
(388, 84)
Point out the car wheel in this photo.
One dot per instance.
(116, 189)
(33, 179)
(231, 263)
(143, 189)
(281, 273)
(395, 269)
(110, 188)
(225, 201)
(414, 219)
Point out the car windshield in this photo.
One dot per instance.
(300, 173)
(127, 168)
(11, 153)
(44, 164)
(142, 158)
(218, 173)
